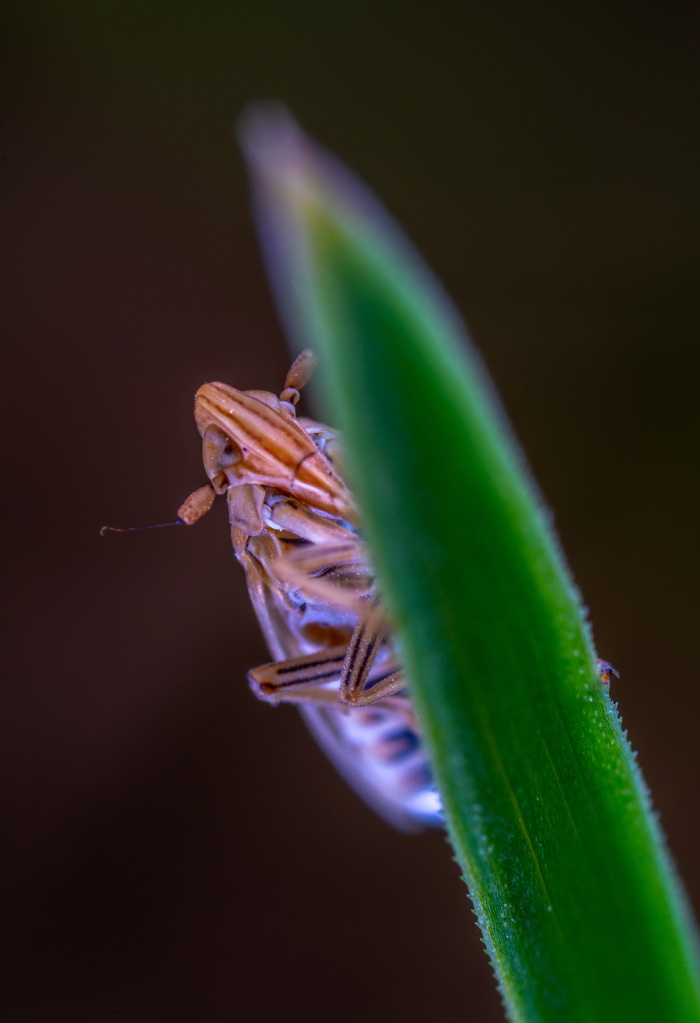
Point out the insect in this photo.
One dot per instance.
(295, 531)
(606, 671)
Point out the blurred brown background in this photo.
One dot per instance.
(173, 849)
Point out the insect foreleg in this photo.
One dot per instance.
(245, 508)
(258, 591)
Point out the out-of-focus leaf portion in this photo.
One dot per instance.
(580, 910)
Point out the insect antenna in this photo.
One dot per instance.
(299, 375)
(132, 529)
(190, 511)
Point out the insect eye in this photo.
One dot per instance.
(229, 454)
(219, 453)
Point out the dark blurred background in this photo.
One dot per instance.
(173, 849)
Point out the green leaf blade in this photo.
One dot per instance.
(581, 913)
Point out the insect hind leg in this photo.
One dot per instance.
(357, 688)
(316, 678)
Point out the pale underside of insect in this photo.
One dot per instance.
(295, 530)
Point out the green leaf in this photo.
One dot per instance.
(579, 906)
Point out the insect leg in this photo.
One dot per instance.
(324, 547)
(305, 679)
(363, 649)
(258, 593)
(278, 680)
(315, 571)
(605, 671)
(388, 686)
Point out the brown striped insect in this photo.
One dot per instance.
(295, 530)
